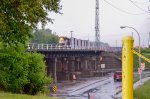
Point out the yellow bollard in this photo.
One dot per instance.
(127, 67)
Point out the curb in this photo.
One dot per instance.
(136, 85)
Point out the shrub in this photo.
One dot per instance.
(20, 71)
(36, 74)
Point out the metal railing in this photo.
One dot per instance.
(32, 46)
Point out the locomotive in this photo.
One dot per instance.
(74, 43)
(64, 42)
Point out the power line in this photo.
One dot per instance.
(138, 7)
(141, 2)
(123, 10)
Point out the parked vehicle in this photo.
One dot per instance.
(117, 76)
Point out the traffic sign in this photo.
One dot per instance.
(102, 65)
(139, 70)
(143, 66)
(54, 88)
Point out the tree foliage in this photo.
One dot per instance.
(22, 72)
(44, 36)
(18, 17)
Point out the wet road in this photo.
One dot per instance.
(107, 90)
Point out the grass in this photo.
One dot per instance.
(145, 52)
(143, 92)
(4, 95)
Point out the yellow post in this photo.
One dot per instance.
(127, 67)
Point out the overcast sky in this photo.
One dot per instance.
(79, 16)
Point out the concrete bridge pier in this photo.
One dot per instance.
(50, 63)
(62, 68)
(83, 64)
(78, 62)
(93, 62)
(51, 68)
(55, 70)
(72, 66)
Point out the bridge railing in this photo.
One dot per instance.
(46, 46)
(32, 46)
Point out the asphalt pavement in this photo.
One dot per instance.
(79, 86)
(83, 85)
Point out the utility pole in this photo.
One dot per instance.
(71, 40)
(71, 33)
(97, 31)
(55, 71)
(148, 39)
(127, 67)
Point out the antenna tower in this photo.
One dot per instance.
(97, 31)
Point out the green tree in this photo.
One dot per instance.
(18, 17)
(22, 72)
(44, 36)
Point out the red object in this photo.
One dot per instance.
(139, 70)
(142, 66)
(118, 76)
(74, 77)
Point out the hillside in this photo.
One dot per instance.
(146, 53)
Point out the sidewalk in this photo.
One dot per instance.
(136, 85)
(139, 83)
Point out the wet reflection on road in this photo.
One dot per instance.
(108, 90)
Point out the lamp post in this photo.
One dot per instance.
(122, 27)
(71, 33)
(71, 40)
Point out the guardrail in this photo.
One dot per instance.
(32, 46)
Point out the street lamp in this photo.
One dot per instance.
(71, 33)
(122, 27)
(71, 39)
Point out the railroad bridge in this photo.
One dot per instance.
(63, 62)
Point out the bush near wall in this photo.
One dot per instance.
(22, 72)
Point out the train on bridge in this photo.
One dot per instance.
(72, 56)
(74, 43)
